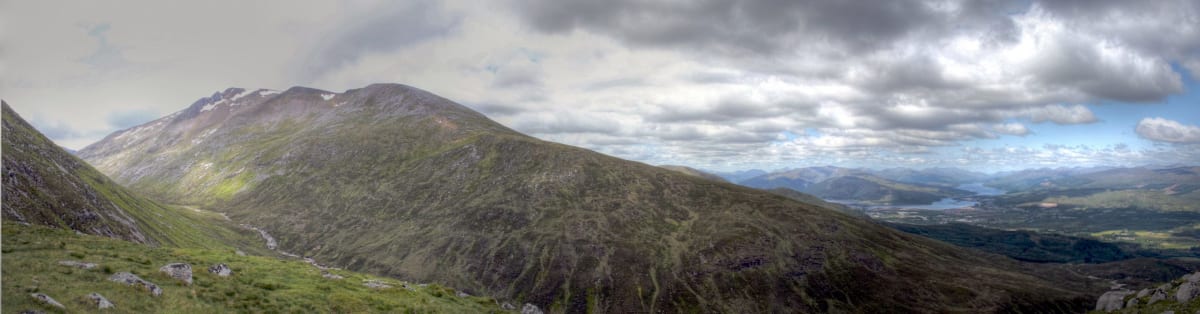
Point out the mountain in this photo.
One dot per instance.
(948, 177)
(853, 185)
(52, 199)
(694, 172)
(393, 180)
(737, 176)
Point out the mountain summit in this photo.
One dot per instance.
(394, 180)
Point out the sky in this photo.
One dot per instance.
(714, 84)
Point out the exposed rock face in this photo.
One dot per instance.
(1132, 303)
(100, 301)
(1187, 291)
(1143, 293)
(180, 271)
(134, 280)
(47, 300)
(221, 270)
(83, 265)
(1112, 300)
(1193, 277)
(530, 309)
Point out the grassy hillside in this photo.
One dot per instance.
(694, 172)
(395, 181)
(257, 285)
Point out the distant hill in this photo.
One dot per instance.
(393, 180)
(694, 172)
(948, 177)
(834, 183)
(737, 176)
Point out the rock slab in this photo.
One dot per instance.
(134, 280)
(1112, 300)
(78, 264)
(1187, 291)
(530, 309)
(45, 299)
(100, 301)
(220, 270)
(179, 271)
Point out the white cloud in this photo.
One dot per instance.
(1170, 131)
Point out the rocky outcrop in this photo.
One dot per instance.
(134, 280)
(179, 271)
(78, 264)
(220, 270)
(1187, 291)
(530, 309)
(329, 275)
(1159, 294)
(47, 300)
(100, 301)
(1112, 300)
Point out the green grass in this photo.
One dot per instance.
(258, 284)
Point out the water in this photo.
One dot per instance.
(943, 204)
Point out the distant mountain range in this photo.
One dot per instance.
(866, 186)
(393, 180)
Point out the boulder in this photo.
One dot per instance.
(78, 264)
(329, 275)
(508, 306)
(220, 270)
(1195, 277)
(100, 301)
(530, 309)
(1158, 295)
(1112, 300)
(1187, 291)
(47, 300)
(1143, 293)
(134, 280)
(180, 271)
(1133, 302)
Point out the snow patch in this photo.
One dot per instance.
(212, 106)
(244, 93)
(327, 97)
(267, 92)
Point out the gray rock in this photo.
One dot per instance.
(78, 264)
(1159, 294)
(508, 306)
(1187, 291)
(180, 271)
(462, 294)
(530, 309)
(45, 299)
(1112, 300)
(375, 284)
(1168, 312)
(1143, 293)
(134, 280)
(329, 275)
(240, 253)
(1132, 303)
(100, 301)
(220, 270)
(1195, 277)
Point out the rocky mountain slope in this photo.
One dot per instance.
(393, 180)
(52, 200)
(694, 172)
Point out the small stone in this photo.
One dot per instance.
(331, 275)
(47, 300)
(1187, 291)
(530, 309)
(78, 264)
(220, 270)
(240, 253)
(462, 294)
(508, 306)
(134, 280)
(1112, 300)
(100, 301)
(180, 271)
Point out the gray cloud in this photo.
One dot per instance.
(129, 118)
(383, 29)
(1169, 131)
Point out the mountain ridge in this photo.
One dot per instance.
(391, 184)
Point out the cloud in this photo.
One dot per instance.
(380, 29)
(129, 118)
(1169, 131)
